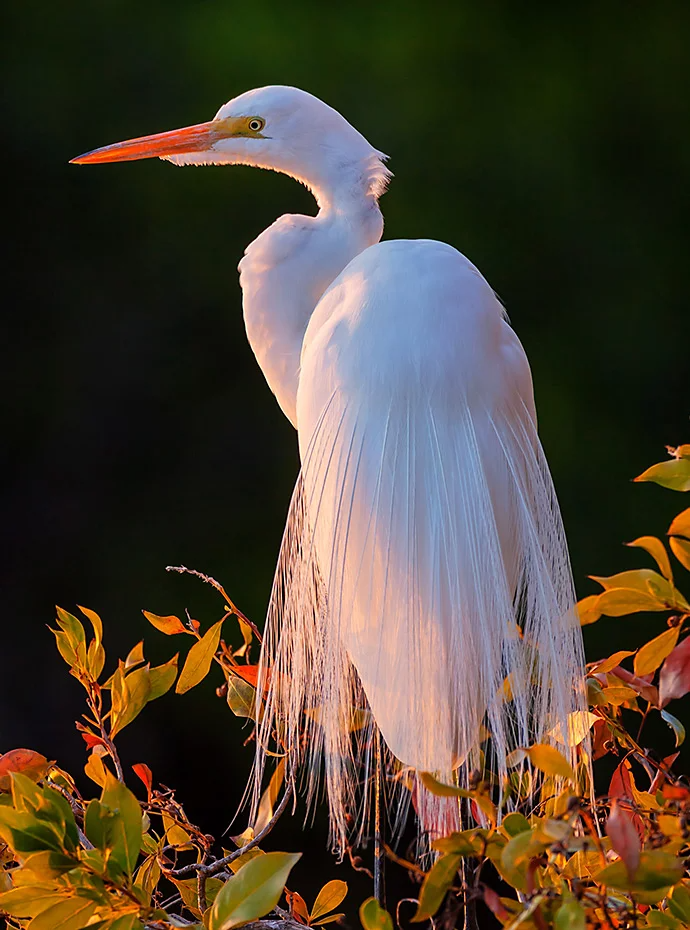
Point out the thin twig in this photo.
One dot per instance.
(183, 570)
(212, 867)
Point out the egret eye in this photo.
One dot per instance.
(256, 124)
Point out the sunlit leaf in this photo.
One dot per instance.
(435, 885)
(136, 688)
(657, 550)
(162, 678)
(252, 892)
(674, 678)
(142, 771)
(607, 665)
(127, 830)
(624, 837)
(327, 920)
(655, 592)
(650, 656)
(676, 726)
(135, 656)
(674, 474)
(70, 914)
(578, 725)
(467, 843)
(440, 789)
(199, 658)
(680, 526)
(618, 602)
(269, 798)
(681, 549)
(679, 902)
(373, 917)
(331, 896)
(95, 621)
(298, 906)
(174, 833)
(550, 761)
(587, 610)
(96, 770)
(168, 625)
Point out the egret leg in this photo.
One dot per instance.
(379, 889)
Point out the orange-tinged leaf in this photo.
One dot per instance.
(658, 552)
(674, 474)
(330, 897)
(268, 799)
(587, 610)
(674, 678)
(29, 763)
(653, 653)
(298, 906)
(681, 549)
(168, 625)
(199, 658)
(624, 837)
(680, 525)
(550, 761)
(607, 665)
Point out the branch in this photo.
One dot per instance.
(183, 570)
(212, 867)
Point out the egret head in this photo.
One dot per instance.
(276, 127)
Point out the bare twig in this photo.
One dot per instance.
(183, 570)
(211, 868)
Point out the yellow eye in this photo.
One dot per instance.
(256, 124)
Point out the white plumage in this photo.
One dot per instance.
(424, 562)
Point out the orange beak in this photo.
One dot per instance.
(197, 138)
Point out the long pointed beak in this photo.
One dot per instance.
(197, 138)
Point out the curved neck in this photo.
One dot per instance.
(286, 270)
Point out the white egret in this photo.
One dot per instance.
(423, 562)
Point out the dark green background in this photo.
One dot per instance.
(549, 142)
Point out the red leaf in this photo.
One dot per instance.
(298, 908)
(622, 787)
(624, 837)
(674, 678)
(600, 735)
(250, 674)
(495, 905)
(29, 763)
(142, 770)
(675, 792)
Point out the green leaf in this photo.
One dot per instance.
(374, 917)
(676, 726)
(241, 697)
(199, 659)
(662, 919)
(330, 896)
(658, 552)
(435, 885)
(162, 678)
(570, 916)
(550, 761)
(657, 871)
(168, 625)
(674, 474)
(126, 830)
(515, 823)
(70, 914)
(253, 891)
(653, 653)
(467, 843)
(678, 902)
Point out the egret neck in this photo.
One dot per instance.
(286, 270)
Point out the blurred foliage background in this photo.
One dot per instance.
(549, 142)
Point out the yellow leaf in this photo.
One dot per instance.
(174, 834)
(649, 584)
(617, 602)
(136, 655)
(199, 659)
(96, 623)
(680, 525)
(653, 653)
(550, 761)
(441, 790)
(681, 549)
(607, 665)
(618, 694)
(96, 770)
(135, 694)
(674, 474)
(330, 896)
(268, 799)
(656, 549)
(587, 610)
